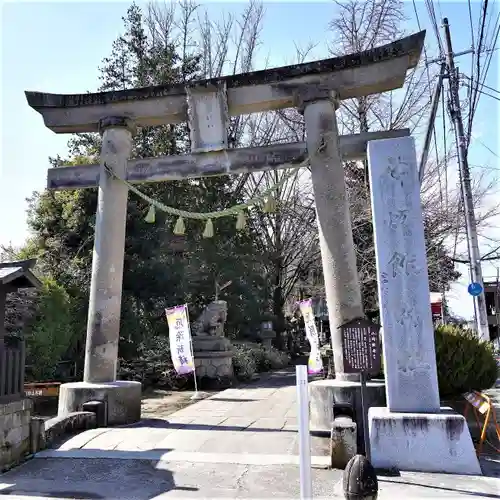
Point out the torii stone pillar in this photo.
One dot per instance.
(123, 398)
(343, 292)
(342, 286)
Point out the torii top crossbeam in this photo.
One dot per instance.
(372, 71)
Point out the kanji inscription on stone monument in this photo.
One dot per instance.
(361, 346)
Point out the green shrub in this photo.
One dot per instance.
(464, 363)
(52, 331)
(244, 364)
(250, 359)
(153, 367)
(262, 359)
(277, 359)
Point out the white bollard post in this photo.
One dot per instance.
(304, 436)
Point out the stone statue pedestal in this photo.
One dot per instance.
(213, 358)
(213, 355)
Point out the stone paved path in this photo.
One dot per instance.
(240, 443)
(234, 426)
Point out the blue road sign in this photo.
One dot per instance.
(475, 289)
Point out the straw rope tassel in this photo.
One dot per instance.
(270, 204)
(151, 215)
(209, 229)
(180, 227)
(241, 221)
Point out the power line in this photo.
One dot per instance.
(425, 49)
(487, 257)
(489, 95)
(473, 94)
(483, 85)
(473, 98)
(473, 50)
(432, 15)
(482, 77)
(489, 56)
(490, 150)
(481, 91)
(439, 8)
(431, 131)
(488, 28)
(433, 97)
(438, 89)
(471, 25)
(483, 167)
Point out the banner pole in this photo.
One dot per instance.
(196, 394)
(301, 382)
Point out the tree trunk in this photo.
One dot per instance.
(279, 325)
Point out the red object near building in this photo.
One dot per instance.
(436, 308)
(436, 301)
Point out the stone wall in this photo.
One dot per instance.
(14, 431)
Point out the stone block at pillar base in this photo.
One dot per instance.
(422, 442)
(343, 442)
(325, 394)
(122, 398)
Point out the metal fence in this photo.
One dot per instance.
(12, 358)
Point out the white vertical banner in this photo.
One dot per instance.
(315, 363)
(180, 339)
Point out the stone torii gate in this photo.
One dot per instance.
(315, 88)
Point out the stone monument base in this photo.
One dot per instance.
(122, 398)
(324, 394)
(422, 442)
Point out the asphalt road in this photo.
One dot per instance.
(92, 479)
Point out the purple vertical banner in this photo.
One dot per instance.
(180, 339)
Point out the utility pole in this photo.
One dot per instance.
(470, 220)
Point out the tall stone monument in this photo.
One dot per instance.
(412, 432)
(206, 105)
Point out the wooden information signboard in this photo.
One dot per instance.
(361, 354)
(361, 347)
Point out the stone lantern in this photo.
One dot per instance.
(267, 333)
